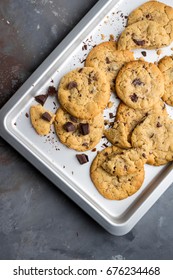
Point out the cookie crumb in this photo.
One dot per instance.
(102, 36)
(159, 52)
(111, 37)
(110, 104)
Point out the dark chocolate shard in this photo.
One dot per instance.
(84, 128)
(82, 158)
(51, 91)
(85, 144)
(137, 82)
(144, 53)
(41, 98)
(71, 85)
(139, 42)
(111, 115)
(107, 60)
(80, 70)
(144, 155)
(69, 127)
(46, 116)
(134, 97)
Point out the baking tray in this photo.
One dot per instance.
(57, 162)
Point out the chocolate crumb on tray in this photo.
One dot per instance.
(41, 98)
(82, 158)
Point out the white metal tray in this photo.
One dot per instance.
(59, 163)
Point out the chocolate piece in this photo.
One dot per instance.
(144, 155)
(107, 60)
(89, 81)
(46, 116)
(94, 150)
(134, 97)
(82, 158)
(144, 53)
(137, 82)
(111, 115)
(80, 70)
(71, 85)
(51, 91)
(139, 42)
(159, 124)
(69, 127)
(73, 119)
(85, 144)
(41, 98)
(26, 115)
(84, 128)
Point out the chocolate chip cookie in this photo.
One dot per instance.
(156, 131)
(140, 84)
(111, 186)
(154, 11)
(143, 34)
(84, 92)
(78, 134)
(41, 119)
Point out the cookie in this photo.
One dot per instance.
(126, 120)
(41, 119)
(156, 131)
(84, 92)
(77, 134)
(154, 11)
(143, 34)
(166, 67)
(126, 162)
(109, 60)
(114, 187)
(140, 84)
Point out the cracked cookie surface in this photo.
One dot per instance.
(39, 122)
(154, 11)
(166, 67)
(140, 84)
(156, 131)
(126, 162)
(114, 187)
(77, 134)
(109, 60)
(84, 92)
(126, 120)
(143, 34)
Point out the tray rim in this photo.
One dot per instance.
(111, 226)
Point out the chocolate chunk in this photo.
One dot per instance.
(94, 150)
(46, 116)
(85, 144)
(73, 119)
(89, 81)
(51, 91)
(144, 155)
(144, 53)
(71, 85)
(69, 127)
(106, 154)
(82, 158)
(84, 128)
(41, 98)
(148, 16)
(134, 97)
(159, 124)
(26, 115)
(111, 115)
(80, 70)
(139, 42)
(95, 78)
(107, 60)
(137, 82)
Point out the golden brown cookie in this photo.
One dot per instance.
(84, 92)
(114, 187)
(140, 84)
(154, 11)
(166, 67)
(41, 119)
(109, 60)
(143, 34)
(78, 134)
(126, 120)
(156, 131)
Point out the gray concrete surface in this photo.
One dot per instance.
(37, 221)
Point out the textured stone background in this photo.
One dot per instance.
(37, 221)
